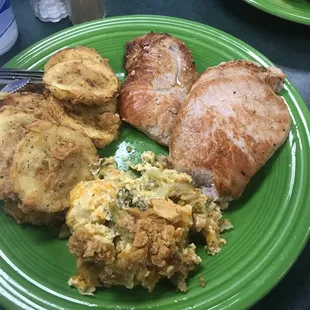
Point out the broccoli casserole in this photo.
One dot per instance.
(132, 227)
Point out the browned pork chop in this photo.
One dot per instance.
(273, 76)
(161, 72)
(230, 125)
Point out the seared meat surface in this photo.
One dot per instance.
(161, 73)
(230, 125)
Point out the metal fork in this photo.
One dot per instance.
(8, 75)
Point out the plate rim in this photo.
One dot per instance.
(278, 12)
(291, 89)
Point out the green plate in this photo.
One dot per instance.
(294, 10)
(271, 219)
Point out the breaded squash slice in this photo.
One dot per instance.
(17, 111)
(27, 102)
(100, 123)
(81, 75)
(47, 164)
(13, 127)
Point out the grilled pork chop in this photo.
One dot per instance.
(230, 124)
(161, 73)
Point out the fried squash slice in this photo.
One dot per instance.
(81, 75)
(13, 127)
(31, 103)
(48, 162)
(101, 123)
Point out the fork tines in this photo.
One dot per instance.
(14, 74)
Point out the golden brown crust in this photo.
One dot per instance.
(161, 72)
(77, 52)
(17, 112)
(13, 127)
(100, 123)
(133, 230)
(30, 103)
(155, 248)
(83, 244)
(80, 75)
(227, 129)
(46, 165)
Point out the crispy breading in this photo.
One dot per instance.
(37, 218)
(100, 123)
(81, 75)
(77, 52)
(35, 104)
(47, 163)
(13, 127)
(130, 229)
(17, 111)
(150, 248)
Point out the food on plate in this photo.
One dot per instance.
(272, 76)
(41, 161)
(131, 228)
(230, 125)
(48, 162)
(134, 227)
(101, 122)
(13, 126)
(17, 111)
(31, 103)
(80, 53)
(86, 88)
(80, 75)
(3, 95)
(161, 72)
(38, 218)
(202, 281)
(37, 88)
